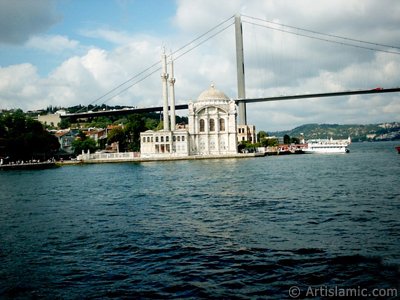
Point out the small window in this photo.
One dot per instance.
(148, 139)
(179, 138)
(156, 139)
(202, 125)
(162, 139)
(183, 138)
(144, 140)
(212, 125)
(174, 138)
(222, 124)
(167, 138)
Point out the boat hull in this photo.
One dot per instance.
(326, 151)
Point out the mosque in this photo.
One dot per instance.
(212, 128)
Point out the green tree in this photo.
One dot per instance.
(100, 122)
(88, 144)
(82, 142)
(262, 135)
(117, 134)
(286, 139)
(23, 138)
(151, 123)
(64, 124)
(135, 125)
(272, 142)
(295, 140)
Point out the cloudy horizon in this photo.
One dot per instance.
(65, 53)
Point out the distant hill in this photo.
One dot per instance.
(370, 132)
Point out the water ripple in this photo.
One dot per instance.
(221, 229)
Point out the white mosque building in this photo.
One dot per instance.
(212, 128)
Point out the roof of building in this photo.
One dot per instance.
(212, 94)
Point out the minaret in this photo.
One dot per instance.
(164, 78)
(172, 94)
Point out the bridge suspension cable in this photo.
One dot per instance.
(345, 41)
(175, 58)
(193, 44)
(222, 26)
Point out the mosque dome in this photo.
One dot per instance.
(212, 94)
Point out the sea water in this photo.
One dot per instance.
(230, 228)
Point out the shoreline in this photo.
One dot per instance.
(157, 159)
(29, 166)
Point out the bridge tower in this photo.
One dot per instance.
(242, 118)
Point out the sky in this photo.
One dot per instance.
(70, 52)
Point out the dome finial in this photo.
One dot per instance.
(212, 93)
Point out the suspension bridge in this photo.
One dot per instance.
(241, 99)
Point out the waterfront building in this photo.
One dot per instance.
(247, 133)
(65, 138)
(212, 128)
(212, 124)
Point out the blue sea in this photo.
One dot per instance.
(255, 228)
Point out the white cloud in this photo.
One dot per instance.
(112, 36)
(52, 43)
(19, 85)
(276, 63)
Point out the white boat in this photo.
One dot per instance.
(327, 146)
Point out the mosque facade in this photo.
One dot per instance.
(212, 128)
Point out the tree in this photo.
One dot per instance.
(117, 134)
(261, 135)
(23, 138)
(151, 123)
(82, 142)
(286, 139)
(135, 125)
(64, 124)
(295, 140)
(100, 122)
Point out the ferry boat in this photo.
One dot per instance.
(327, 146)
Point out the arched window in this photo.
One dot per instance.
(167, 138)
(221, 124)
(162, 139)
(156, 139)
(202, 125)
(212, 125)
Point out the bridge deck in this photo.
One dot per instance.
(119, 112)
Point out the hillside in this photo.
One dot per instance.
(370, 132)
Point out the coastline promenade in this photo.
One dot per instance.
(135, 157)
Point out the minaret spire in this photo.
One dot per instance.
(164, 78)
(172, 94)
